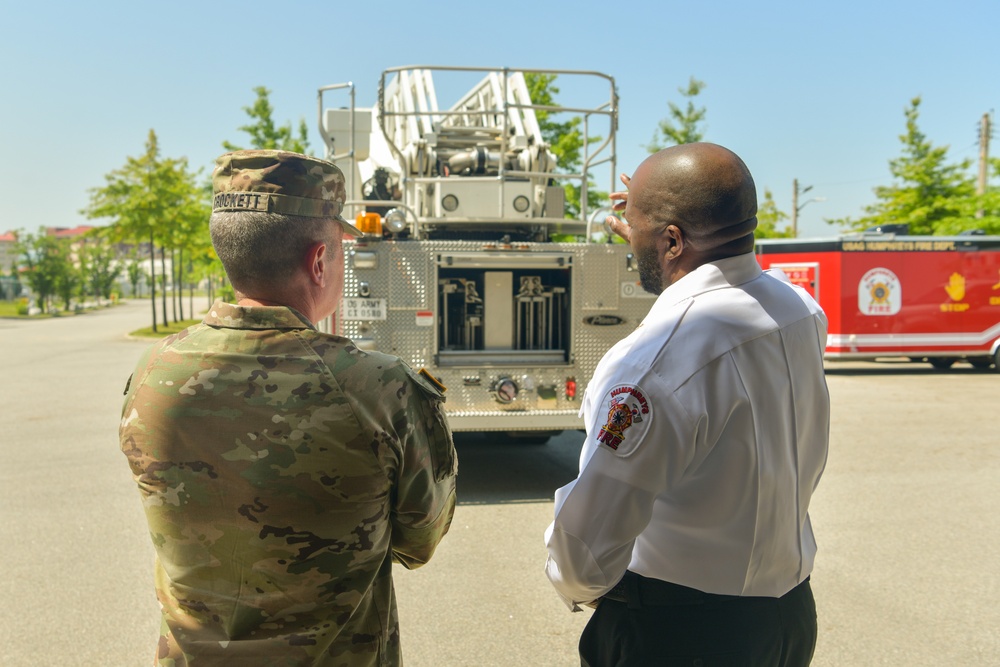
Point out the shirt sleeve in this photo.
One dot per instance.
(627, 457)
(424, 502)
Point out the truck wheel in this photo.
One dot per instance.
(941, 363)
(980, 363)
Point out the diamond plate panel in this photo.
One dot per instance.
(406, 276)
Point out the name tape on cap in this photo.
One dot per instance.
(241, 201)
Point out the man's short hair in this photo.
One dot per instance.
(259, 249)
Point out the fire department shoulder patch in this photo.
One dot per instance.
(628, 417)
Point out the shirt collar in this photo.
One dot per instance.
(715, 275)
(231, 316)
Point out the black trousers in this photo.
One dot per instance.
(647, 622)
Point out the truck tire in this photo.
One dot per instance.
(941, 363)
(980, 363)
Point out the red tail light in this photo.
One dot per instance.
(570, 388)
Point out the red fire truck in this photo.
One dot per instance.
(934, 299)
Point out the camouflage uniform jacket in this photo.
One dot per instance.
(282, 470)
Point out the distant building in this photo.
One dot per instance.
(75, 236)
(7, 253)
(68, 232)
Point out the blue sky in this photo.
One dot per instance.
(806, 90)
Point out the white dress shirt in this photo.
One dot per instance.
(707, 432)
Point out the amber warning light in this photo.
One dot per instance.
(370, 223)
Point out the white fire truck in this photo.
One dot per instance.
(469, 267)
(934, 299)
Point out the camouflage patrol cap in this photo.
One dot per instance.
(272, 181)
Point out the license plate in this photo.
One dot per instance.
(354, 308)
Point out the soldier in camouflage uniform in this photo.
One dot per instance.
(283, 470)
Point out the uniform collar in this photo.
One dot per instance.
(715, 275)
(231, 316)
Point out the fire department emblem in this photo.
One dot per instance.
(627, 406)
(879, 293)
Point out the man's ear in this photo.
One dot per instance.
(316, 264)
(673, 239)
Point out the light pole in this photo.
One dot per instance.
(796, 207)
(984, 153)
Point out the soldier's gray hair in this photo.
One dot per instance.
(260, 249)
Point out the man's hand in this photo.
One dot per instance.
(618, 202)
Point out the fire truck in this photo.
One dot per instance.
(932, 299)
(470, 267)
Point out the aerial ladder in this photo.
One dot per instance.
(473, 265)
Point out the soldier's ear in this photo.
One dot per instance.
(316, 263)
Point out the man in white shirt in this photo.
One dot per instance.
(707, 432)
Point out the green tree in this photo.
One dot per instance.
(565, 139)
(47, 266)
(186, 235)
(929, 194)
(979, 211)
(768, 218)
(135, 274)
(99, 268)
(264, 133)
(69, 283)
(682, 126)
(203, 266)
(14, 284)
(153, 200)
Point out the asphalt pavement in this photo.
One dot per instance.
(905, 517)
